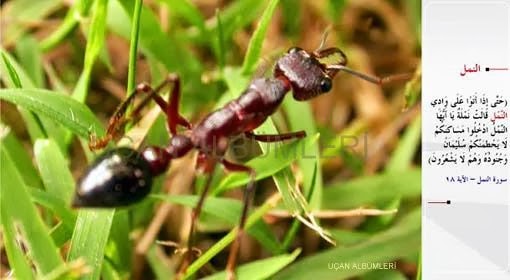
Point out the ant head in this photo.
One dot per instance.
(119, 177)
(310, 73)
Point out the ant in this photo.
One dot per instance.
(122, 176)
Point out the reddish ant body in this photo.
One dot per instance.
(123, 176)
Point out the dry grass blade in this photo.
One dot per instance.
(334, 214)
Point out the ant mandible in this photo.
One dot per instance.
(122, 176)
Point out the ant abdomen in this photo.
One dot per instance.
(118, 177)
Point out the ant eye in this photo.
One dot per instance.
(294, 50)
(326, 84)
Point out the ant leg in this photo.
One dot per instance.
(171, 108)
(195, 214)
(174, 118)
(247, 199)
(276, 137)
(118, 120)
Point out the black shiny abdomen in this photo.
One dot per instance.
(119, 177)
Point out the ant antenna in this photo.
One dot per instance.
(323, 39)
(372, 79)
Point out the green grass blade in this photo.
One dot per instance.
(274, 160)
(400, 240)
(18, 79)
(133, 47)
(12, 72)
(188, 11)
(400, 160)
(70, 270)
(372, 190)
(56, 37)
(54, 80)
(352, 161)
(402, 156)
(21, 14)
(61, 234)
(22, 160)
(30, 58)
(56, 205)
(89, 239)
(220, 42)
(119, 247)
(236, 84)
(344, 139)
(15, 254)
(77, 12)
(262, 269)
(255, 216)
(349, 237)
(335, 8)
(237, 15)
(52, 165)
(153, 40)
(58, 107)
(170, 50)
(384, 275)
(300, 117)
(291, 17)
(109, 272)
(412, 90)
(292, 232)
(420, 267)
(413, 9)
(18, 76)
(95, 42)
(96, 34)
(156, 260)
(38, 126)
(228, 210)
(16, 203)
(255, 47)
